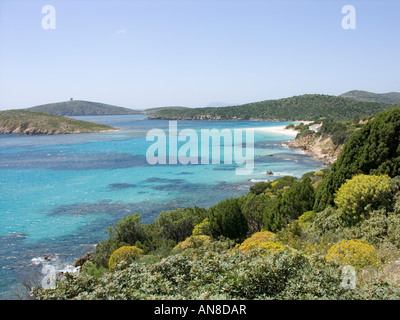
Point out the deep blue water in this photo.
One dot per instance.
(59, 193)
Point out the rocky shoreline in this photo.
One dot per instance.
(319, 147)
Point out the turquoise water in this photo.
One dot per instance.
(59, 193)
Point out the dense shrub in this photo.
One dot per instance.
(261, 240)
(283, 275)
(203, 228)
(357, 253)
(358, 197)
(178, 224)
(374, 149)
(297, 200)
(259, 187)
(193, 242)
(306, 219)
(253, 208)
(227, 219)
(126, 253)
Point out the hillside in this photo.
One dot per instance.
(82, 108)
(305, 107)
(391, 97)
(157, 109)
(374, 149)
(35, 123)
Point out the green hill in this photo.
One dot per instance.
(157, 109)
(391, 97)
(34, 123)
(82, 108)
(309, 107)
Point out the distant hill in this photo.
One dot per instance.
(391, 97)
(154, 110)
(34, 123)
(82, 108)
(309, 107)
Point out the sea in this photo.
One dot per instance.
(60, 193)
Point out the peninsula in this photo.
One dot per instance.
(38, 123)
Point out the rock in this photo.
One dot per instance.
(81, 261)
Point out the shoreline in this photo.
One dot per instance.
(276, 129)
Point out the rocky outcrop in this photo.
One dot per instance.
(81, 261)
(320, 147)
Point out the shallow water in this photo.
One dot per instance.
(59, 193)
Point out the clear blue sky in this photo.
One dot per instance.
(141, 54)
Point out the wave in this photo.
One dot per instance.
(53, 262)
(259, 180)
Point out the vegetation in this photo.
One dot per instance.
(267, 244)
(81, 108)
(391, 97)
(357, 253)
(305, 107)
(125, 254)
(361, 195)
(27, 122)
(374, 149)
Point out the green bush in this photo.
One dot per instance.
(91, 269)
(178, 224)
(286, 275)
(227, 220)
(297, 200)
(253, 207)
(259, 187)
(306, 219)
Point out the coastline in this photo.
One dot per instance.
(276, 129)
(321, 149)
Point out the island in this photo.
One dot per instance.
(82, 108)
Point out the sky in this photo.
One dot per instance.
(194, 53)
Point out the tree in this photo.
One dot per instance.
(259, 187)
(127, 231)
(297, 200)
(226, 219)
(178, 224)
(253, 207)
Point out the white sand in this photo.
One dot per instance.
(277, 129)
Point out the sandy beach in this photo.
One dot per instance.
(277, 129)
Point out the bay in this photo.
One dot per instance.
(59, 193)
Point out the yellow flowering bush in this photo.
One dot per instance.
(125, 253)
(319, 173)
(306, 218)
(357, 253)
(193, 242)
(261, 240)
(203, 228)
(362, 194)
